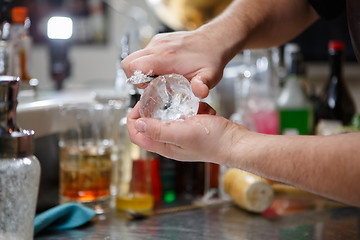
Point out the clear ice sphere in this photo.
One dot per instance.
(169, 98)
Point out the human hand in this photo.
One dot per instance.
(191, 54)
(203, 137)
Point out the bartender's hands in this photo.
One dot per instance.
(203, 137)
(191, 54)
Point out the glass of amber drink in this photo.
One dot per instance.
(85, 155)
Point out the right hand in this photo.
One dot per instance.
(192, 54)
(203, 137)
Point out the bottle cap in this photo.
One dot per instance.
(336, 45)
(19, 14)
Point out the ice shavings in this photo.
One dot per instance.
(169, 98)
(139, 77)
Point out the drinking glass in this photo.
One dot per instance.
(85, 155)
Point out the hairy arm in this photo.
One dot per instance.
(248, 24)
(326, 165)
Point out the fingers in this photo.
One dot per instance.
(148, 64)
(170, 133)
(195, 138)
(178, 53)
(136, 129)
(200, 89)
(134, 113)
(155, 59)
(204, 80)
(158, 130)
(137, 137)
(126, 63)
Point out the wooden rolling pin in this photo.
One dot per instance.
(247, 190)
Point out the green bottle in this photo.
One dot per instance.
(295, 109)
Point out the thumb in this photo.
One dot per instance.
(199, 86)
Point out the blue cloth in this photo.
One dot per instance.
(65, 216)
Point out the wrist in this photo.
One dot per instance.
(251, 151)
(227, 41)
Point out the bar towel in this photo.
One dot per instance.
(64, 216)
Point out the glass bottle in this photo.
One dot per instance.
(19, 168)
(295, 111)
(336, 103)
(135, 168)
(263, 90)
(242, 81)
(21, 40)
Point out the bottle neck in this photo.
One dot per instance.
(296, 65)
(336, 64)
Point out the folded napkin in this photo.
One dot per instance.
(65, 216)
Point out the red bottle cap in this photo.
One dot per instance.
(19, 14)
(336, 45)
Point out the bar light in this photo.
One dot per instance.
(59, 27)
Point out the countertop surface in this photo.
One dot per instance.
(220, 221)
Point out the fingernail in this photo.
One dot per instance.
(140, 125)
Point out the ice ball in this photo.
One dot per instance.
(169, 98)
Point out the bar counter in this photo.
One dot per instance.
(221, 221)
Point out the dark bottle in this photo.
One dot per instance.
(190, 177)
(335, 102)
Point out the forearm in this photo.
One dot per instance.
(324, 165)
(247, 24)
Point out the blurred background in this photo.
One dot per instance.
(99, 27)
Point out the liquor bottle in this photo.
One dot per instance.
(335, 103)
(139, 184)
(190, 180)
(21, 40)
(294, 107)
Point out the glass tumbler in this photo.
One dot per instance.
(85, 155)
